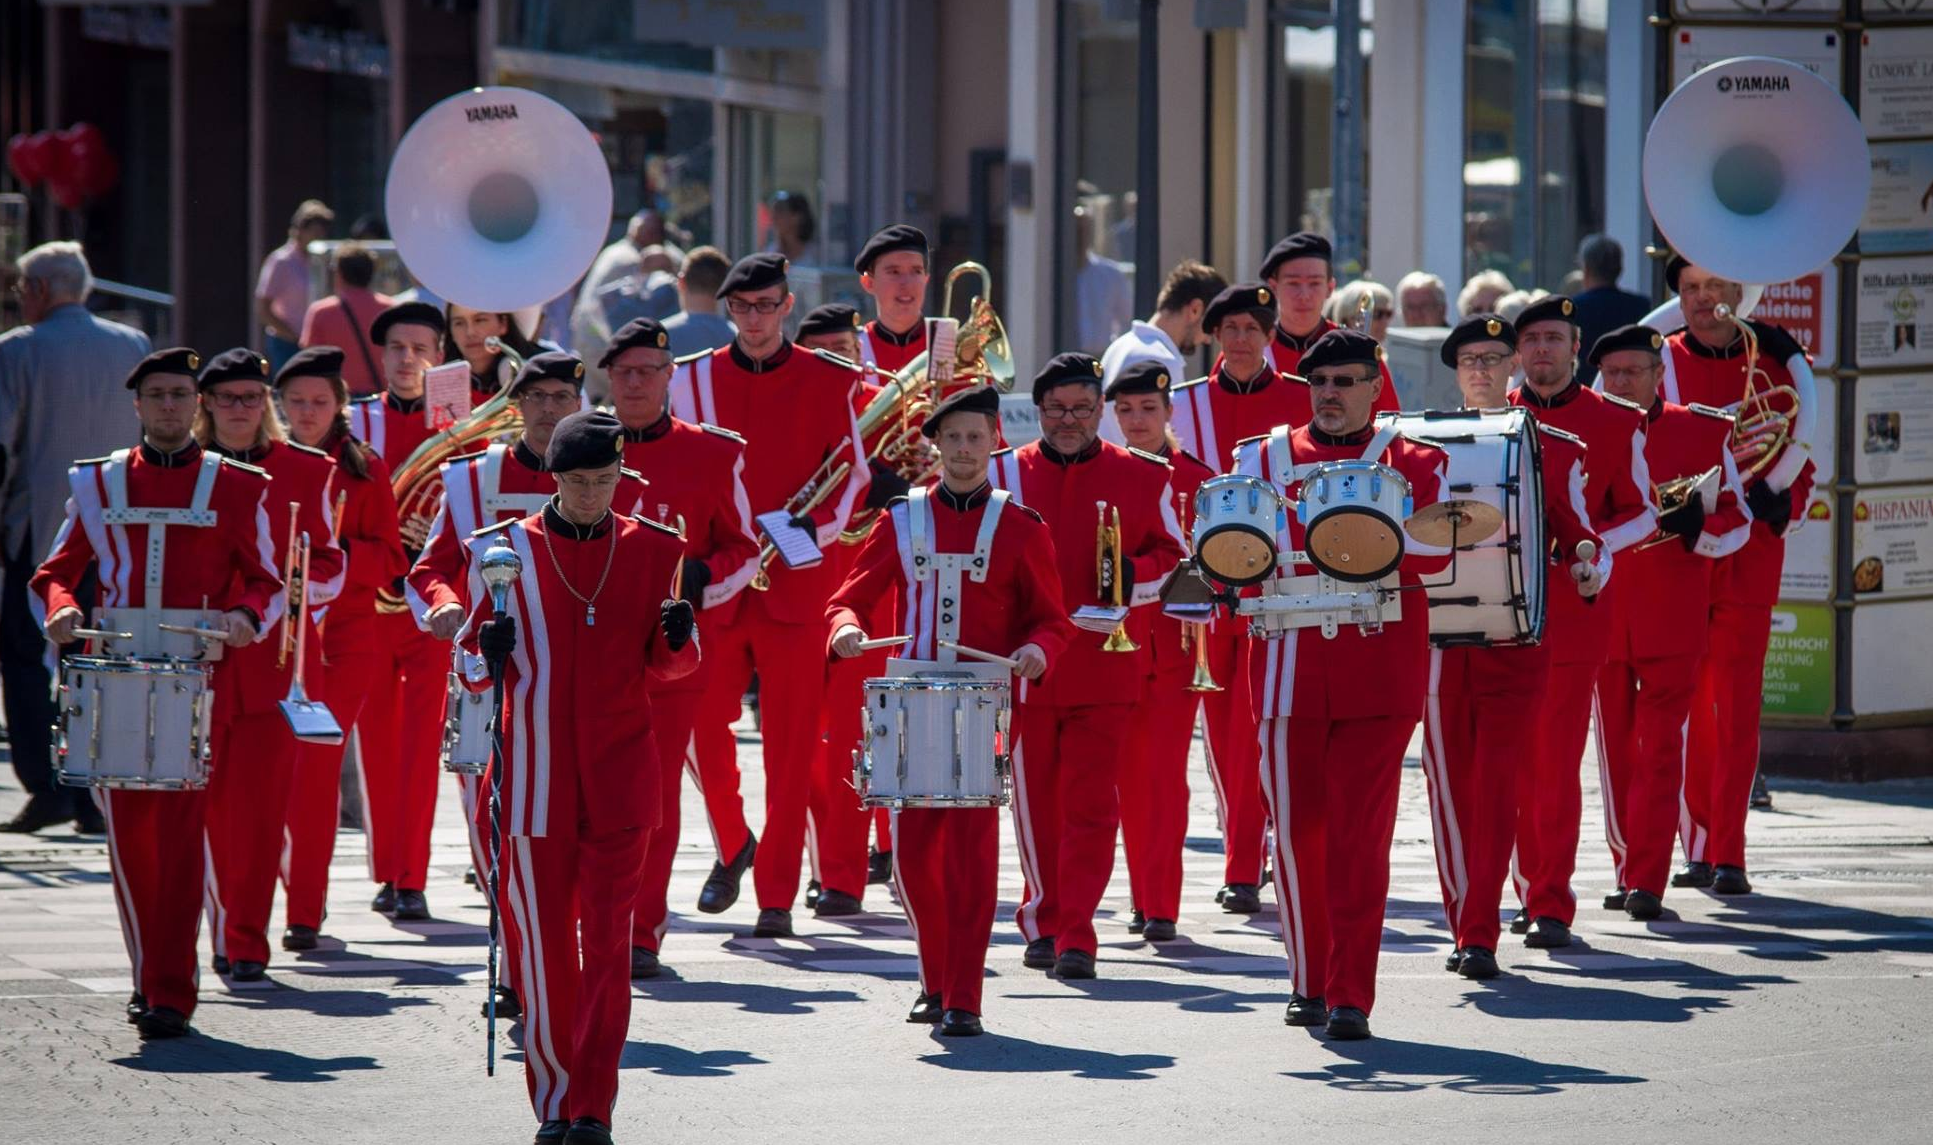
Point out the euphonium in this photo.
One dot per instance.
(418, 481)
(1107, 565)
(1762, 429)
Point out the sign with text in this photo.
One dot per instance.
(1895, 326)
(1899, 212)
(1808, 309)
(1895, 430)
(1892, 541)
(1896, 82)
(1798, 662)
(1812, 49)
(1807, 572)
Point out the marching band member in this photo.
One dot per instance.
(155, 843)
(1073, 728)
(315, 400)
(1644, 691)
(1705, 362)
(835, 327)
(1154, 772)
(695, 484)
(894, 267)
(1300, 272)
(947, 860)
(247, 805)
(410, 336)
(1476, 728)
(1337, 712)
(580, 782)
(1617, 499)
(469, 336)
(795, 412)
(1241, 397)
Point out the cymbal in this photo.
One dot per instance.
(1467, 522)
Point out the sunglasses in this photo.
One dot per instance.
(1335, 381)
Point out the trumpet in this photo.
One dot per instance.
(1197, 634)
(295, 576)
(809, 497)
(1762, 429)
(1107, 570)
(1672, 495)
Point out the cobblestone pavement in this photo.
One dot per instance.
(1798, 1011)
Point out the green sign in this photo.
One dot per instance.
(1798, 665)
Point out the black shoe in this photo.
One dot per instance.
(926, 1010)
(879, 868)
(219, 964)
(247, 970)
(644, 963)
(88, 821)
(411, 906)
(385, 900)
(470, 880)
(1304, 1011)
(1137, 922)
(1240, 898)
(551, 1132)
(508, 1004)
(1547, 933)
(1694, 875)
(41, 812)
(1731, 881)
(1519, 923)
(137, 1006)
(721, 888)
(1040, 954)
(587, 1131)
(773, 923)
(1074, 964)
(163, 1022)
(837, 904)
(1453, 962)
(1643, 905)
(1160, 930)
(1761, 795)
(1615, 900)
(960, 1024)
(1348, 1024)
(812, 891)
(299, 938)
(1478, 963)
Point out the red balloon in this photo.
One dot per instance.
(24, 159)
(54, 158)
(65, 193)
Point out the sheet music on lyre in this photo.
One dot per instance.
(942, 341)
(446, 395)
(1095, 618)
(796, 547)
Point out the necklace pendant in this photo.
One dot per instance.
(590, 615)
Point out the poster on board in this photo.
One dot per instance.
(1899, 211)
(1814, 49)
(1892, 542)
(1896, 82)
(1895, 428)
(1895, 326)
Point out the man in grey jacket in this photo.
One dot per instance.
(62, 398)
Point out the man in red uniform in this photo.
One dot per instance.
(695, 484)
(1706, 362)
(315, 400)
(1337, 710)
(244, 817)
(1241, 397)
(1299, 271)
(834, 327)
(1617, 500)
(578, 791)
(795, 412)
(1476, 725)
(142, 513)
(1073, 728)
(947, 860)
(1644, 691)
(894, 267)
(1154, 773)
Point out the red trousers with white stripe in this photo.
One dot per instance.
(570, 899)
(1333, 885)
(1153, 790)
(156, 854)
(1229, 716)
(713, 767)
(672, 716)
(1066, 768)
(475, 793)
(352, 648)
(1550, 800)
(1642, 706)
(402, 728)
(248, 797)
(1477, 725)
(839, 823)
(947, 864)
(1724, 738)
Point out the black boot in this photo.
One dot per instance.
(721, 889)
(385, 900)
(837, 904)
(773, 923)
(926, 1010)
(1039, 955)
(1305, 1011)
(40, 813)
(587, 1131)
(163, 1022)
(812, 890)
(1240, 898)
(1478, 963)
(1454, 961)
(1520, 923)
(1694, 875)
(1137, 922)
(879, 868)
(1643, 905)
(1074, 964)
(960, 1024)
(1348, 1024)
(644, 963)
(1160, 930)
(1731, 881)
(1547, 933)
(411, 906)
(1615, 900)
(299, 938)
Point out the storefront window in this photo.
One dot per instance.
(1095, 267)
(774, 155)
(600, 31)
(1302, 109)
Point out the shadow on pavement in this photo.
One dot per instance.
(751, 997)
(204, 1054)
(1517, 997)
(1183, 995)
(328, 1003)
(993, 1053)
(1384, 1065)
(676, 1061)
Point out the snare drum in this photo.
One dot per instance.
(466, 729)
(935, 742)
(1236, 518)
(132, 723)
(1352, 515)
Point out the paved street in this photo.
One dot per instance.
(1797, 1013)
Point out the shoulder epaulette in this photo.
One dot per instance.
(692, 357)
(364, 398)
(1027, 509)
(658, 525)
(1191, 382)
(1710, 411)
(1627, 403)
(622, 473)
(1155, 458)
(902, 499)
(1000, 451)
(93, 461)
(722, 431)
(1553, 431)
(1247, 440)
(500, 525)
(309, 449)
(245, 467)
(1179, 452)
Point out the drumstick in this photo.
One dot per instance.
(883, 642)
(194, 630)
(101, 634)
(974, 653)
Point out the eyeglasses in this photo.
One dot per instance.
(620, 373)
(237, 401)
(1488, 361)
(1334, 381)
(1062, 413)
(540, 398)
(763, 306)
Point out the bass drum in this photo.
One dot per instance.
(1493, 594)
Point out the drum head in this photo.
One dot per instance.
(1355, 545)
(1236, 554)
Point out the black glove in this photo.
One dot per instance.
(497, 639)
(887, 485)
(1769, 505)
(810, 527)
(1127, 579)
(678, 621)
(1686, 521)
(697, 576)
(399, 587)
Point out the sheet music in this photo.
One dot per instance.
(796, 547)
(1094, 618)
(446, 395)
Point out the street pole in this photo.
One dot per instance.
(1147, 164)
(1347, 183)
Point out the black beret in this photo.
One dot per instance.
(1550, 308)
(754, 272)
(1675, 266)
(1147, 376)
(1301, 244)
(973, 399)
(899, 236)
(1069, 369)
(587, 439)
(1341, 347)
(648, 333)
(176, 360)
(407, 313)
(314, 362)
(832, 318)
(550, 366)
(1633, 337)
(238, 365)
(1478, 328)
(1246, 298)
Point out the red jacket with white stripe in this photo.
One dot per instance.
(366, 531)
(1567, 515)
(697, 472)
(392, 426)
(1214, 413)
(888, 351)
(577, 696)
(1067, 493)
